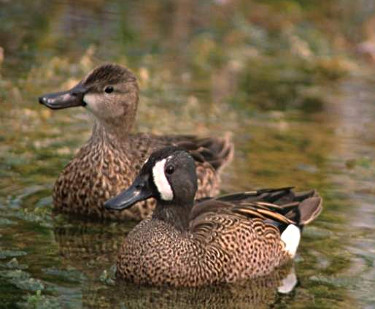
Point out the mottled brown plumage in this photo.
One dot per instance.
(90, 246)
(215, 240)
(111, 158)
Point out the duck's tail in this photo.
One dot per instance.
(283, 208)
(310, 205)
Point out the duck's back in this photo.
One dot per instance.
(101, 169)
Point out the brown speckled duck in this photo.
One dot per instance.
(111, 158)
(215, 240)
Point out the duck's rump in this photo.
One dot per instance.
(279, 207)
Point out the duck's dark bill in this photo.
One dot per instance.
(65, 99)
(137, 192)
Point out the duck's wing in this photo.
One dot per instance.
(278, 207)
(217, 151)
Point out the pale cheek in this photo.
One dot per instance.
(116, 110)
(102, 109)
(92, 103)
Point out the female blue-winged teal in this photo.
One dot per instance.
(225, 239)
(111, 158)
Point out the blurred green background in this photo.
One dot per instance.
(293, 80)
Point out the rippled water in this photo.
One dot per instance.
(299, 103)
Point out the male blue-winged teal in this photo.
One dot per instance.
(111, 158)
(225, 239)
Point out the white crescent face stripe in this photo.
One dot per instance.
(161, 182)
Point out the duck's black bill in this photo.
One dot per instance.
(64, 99)
(138, 191)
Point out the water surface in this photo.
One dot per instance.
(282, 76)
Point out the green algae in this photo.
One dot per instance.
(22, 280)
(11, 253)
(14, 264)
(39, 301)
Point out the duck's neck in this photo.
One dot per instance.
(113, 134)
(176, 214)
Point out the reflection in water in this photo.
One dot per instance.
(89, 244)
(262, 292)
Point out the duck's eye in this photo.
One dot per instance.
(108, 89)
(169, 169)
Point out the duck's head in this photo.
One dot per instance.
(168, 175)
(110, 92)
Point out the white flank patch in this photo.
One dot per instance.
(161, 182)
(288, 283)
(291, 237)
